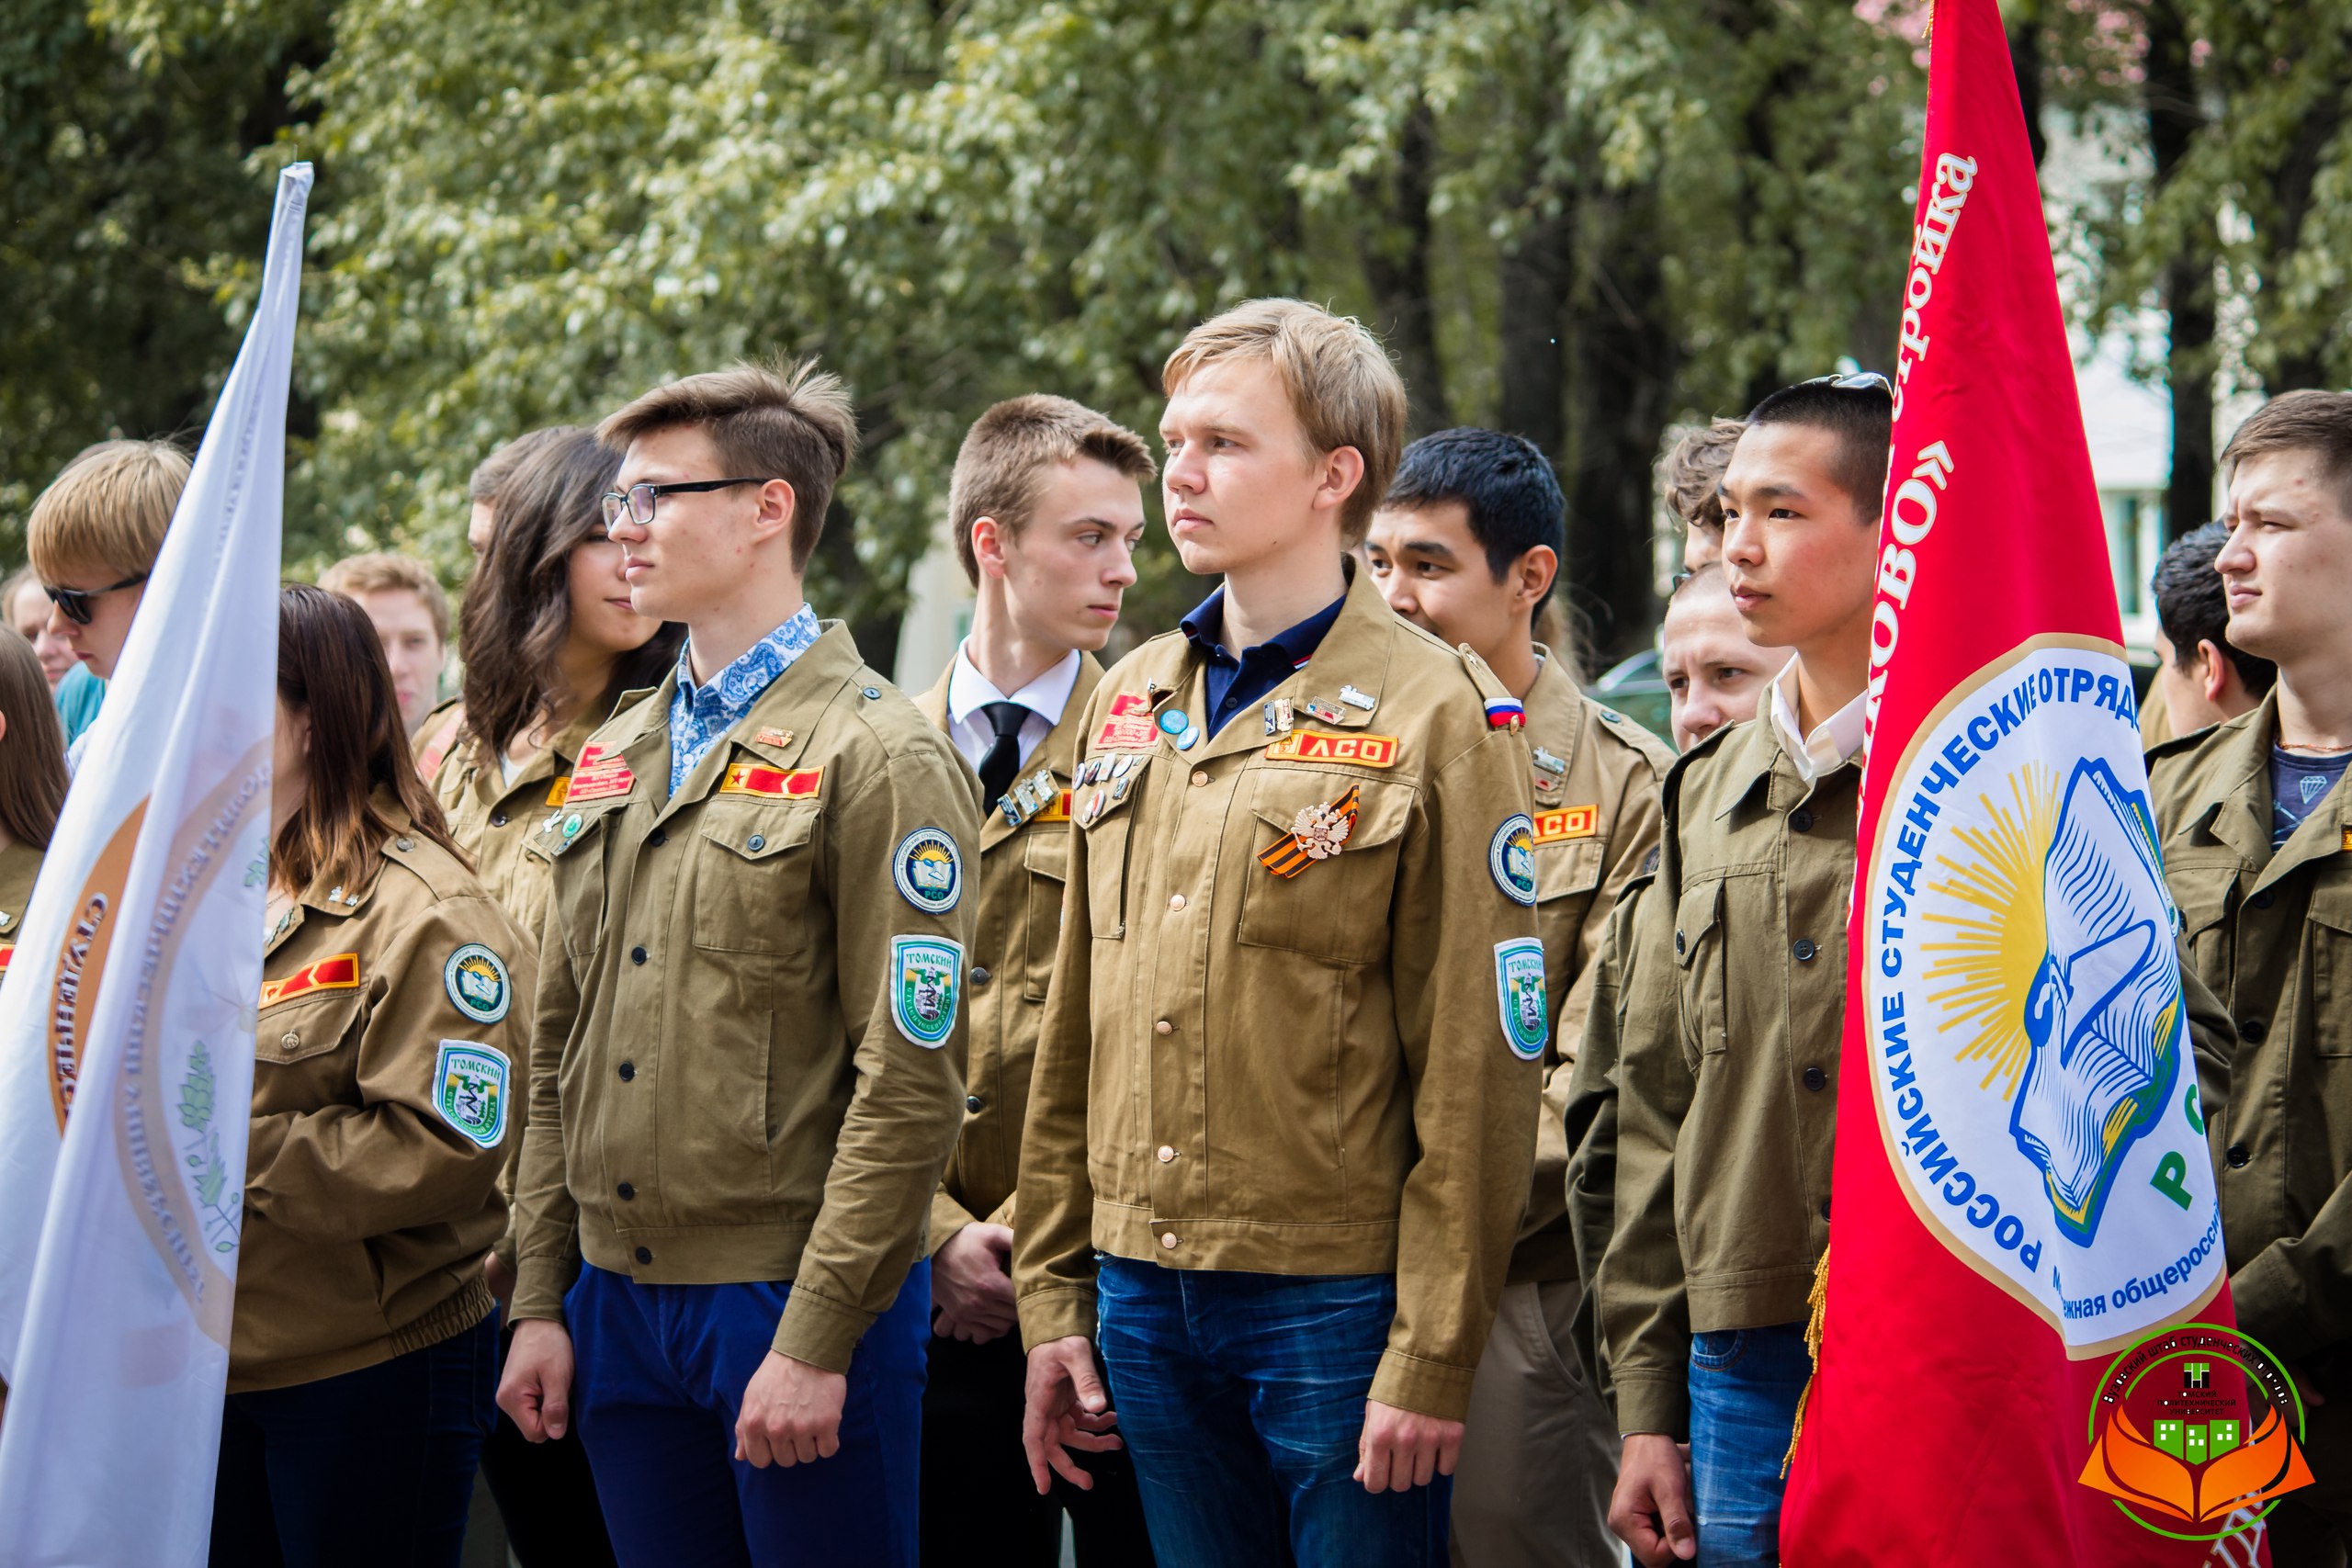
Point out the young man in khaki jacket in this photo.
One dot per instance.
(2258, 851)
(1466, 546)
(1045, 509)
(1288, 1079)
(1723, 1196)
(743, 1069)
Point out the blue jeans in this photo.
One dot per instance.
(1745, 1383)
(363, 1468)
(660, 1376)
(1242, 1398)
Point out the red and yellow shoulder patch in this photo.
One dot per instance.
(8, 951)
(600, 775)
(1054, 810)
(1566, 822)
(340, 973)
(1324, 746)
(774, 784)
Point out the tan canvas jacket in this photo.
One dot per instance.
(743, 1065)
(388, 1054)
(1016, 923)
(2269, 932)
(1597, 775)
(1332, 1072)
(20, 866)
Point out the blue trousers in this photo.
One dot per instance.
(1745, 1383)
(660, 1376)
(365, 1468)
(1242, 1398)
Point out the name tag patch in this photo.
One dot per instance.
(774, 784)
(1129, 727)
(600, 775)
(1566, 822)
(1322, 746)
(469, 1091)
(340, 973)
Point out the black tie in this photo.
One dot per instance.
(1003, 759)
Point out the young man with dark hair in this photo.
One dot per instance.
(1278, 1146)
(1467, 545)
(2202, 676)
(2258, 851)
(744, 1080)
(1045, 508)
(1721, 1203)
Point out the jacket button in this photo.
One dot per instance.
(1815, 1078)
(1175, 901)
(1167, 1240)
(2251, 1031)
(498, 820)
(627, 1192)
(404, 845)
(1163, 1027)
(757, 842)
(1800, 819)
(872, 693)
(645, 1254)
(972, 1102)
(979, 977)
(1825, 1208)
(2237, 1157)
(637, 955)
(1678, 942)
(658, 838)
(2263, 899)
(289, 1041)
(1805, 950)
(1200, 777)
(628, 1071)
(1166, 1154)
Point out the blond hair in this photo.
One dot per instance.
(1341, 386)
(108, 509)
(790, 423)
(1001, 466)
(381, 574)
(1692, 474)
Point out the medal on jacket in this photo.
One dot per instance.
(1325, 712)
(1356, 699)
(1318, 832)
(1548, 763)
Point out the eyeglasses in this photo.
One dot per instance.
(1863, 381)
(636, 503)
(74, 604)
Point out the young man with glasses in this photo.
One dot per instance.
(1045, 509)
(93, 536)
(744, 1081)
(1283, 1112)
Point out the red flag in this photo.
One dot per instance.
(2022, 1192)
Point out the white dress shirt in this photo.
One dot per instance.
(1833, 740)
(969, 691)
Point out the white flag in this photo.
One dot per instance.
(132, 1001)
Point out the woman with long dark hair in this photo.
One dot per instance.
(389, 1053)
(32, 780)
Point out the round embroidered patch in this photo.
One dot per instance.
(478, 984)
(1511, 857)
(928, 872)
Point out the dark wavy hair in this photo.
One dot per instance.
(518, 612)
(331, 666)
(32, 754)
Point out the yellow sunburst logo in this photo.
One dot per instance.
(1983, 972)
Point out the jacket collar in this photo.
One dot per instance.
(1059, 750)
(329, 896)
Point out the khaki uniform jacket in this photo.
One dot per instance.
(1303, 1075)
(388, 1054)
(19, 865)
(730, 1080)
(1016, 924)
(1596, 821)
(2270, 933)
(1727, 1067)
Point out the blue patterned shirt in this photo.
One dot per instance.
(701, 715)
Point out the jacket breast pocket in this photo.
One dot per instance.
(2329, 929)
(752, 872)
(1699, 959)
(1337, 908)
(1045, 858)
(575, 881)
(295, 1046)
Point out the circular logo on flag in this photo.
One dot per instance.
(2030, 1055)
(1511, 856)
(928, 872)
(2196, 1431)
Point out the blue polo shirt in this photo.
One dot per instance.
(1234, 685)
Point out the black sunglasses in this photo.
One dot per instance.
(1861, 382)
(74, 604)
(636, 503)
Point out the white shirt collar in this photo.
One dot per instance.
(1833, 740)
(1046, 697)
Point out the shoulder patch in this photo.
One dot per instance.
(1511, 857)
(477, 982)
(926, 980)
(470, 1091)
(928, 871)
(1519, 991)
(1322, 746)
(340, 973)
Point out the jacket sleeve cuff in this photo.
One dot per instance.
(539, 1286)
(1426, 1388)
(820, 1332)
(1056, 1314)
(1649, 1401)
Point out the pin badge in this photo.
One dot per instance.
(1267, 713)
(1325, 711)
(1012, 816)
(1173, 722)
(1190, 739)
(1119, 787)
(1546, 785)
(1548, 763)
(1285, 715)
(1123, 767)
(1356, 699)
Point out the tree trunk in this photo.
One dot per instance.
(2169, 91)
(2298, 364)
(1538, 272)
(1396, 257)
